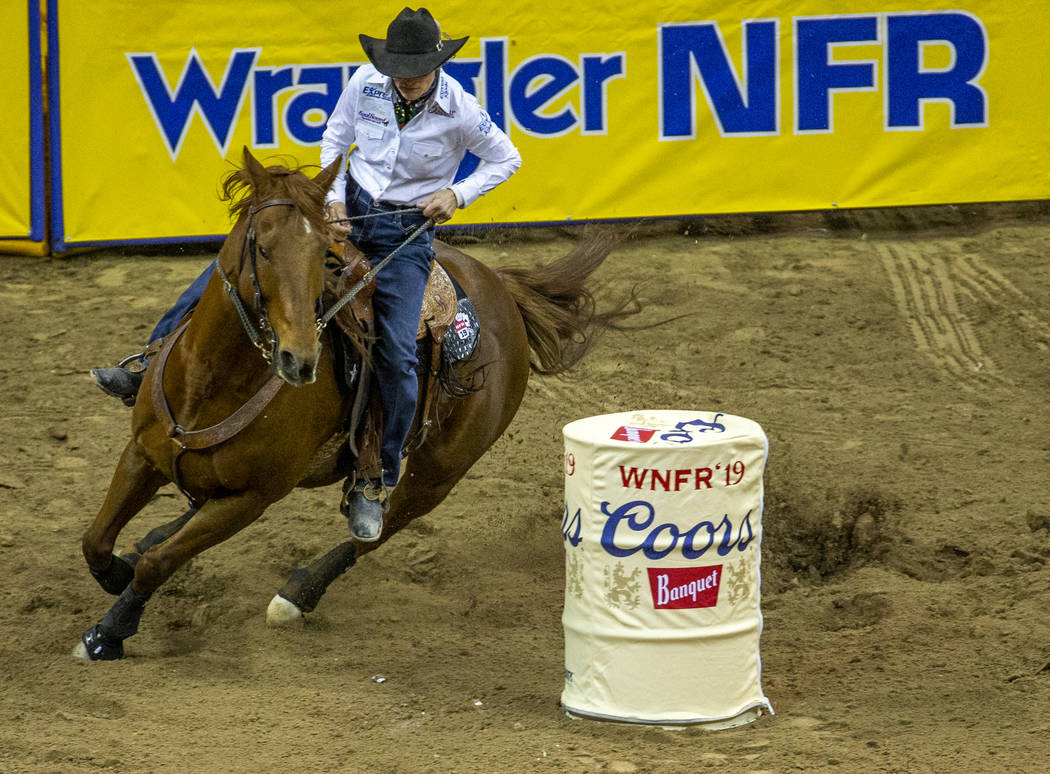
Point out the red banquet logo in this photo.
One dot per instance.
(633, 434)
(684, 588)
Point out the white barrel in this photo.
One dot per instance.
(662, 527)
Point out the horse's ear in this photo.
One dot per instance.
(326, 176)
(256, 171)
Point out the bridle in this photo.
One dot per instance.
(261, 332)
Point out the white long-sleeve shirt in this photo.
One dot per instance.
(406, 166)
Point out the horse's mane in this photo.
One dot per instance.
(237, 189)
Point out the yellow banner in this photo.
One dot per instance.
(22, 130)
(658, 110)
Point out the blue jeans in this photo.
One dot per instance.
(184, 305)
(397, 304)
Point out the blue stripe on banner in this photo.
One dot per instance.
(38, 201)
(58, 244)
(210, 239)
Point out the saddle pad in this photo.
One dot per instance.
(462, 336)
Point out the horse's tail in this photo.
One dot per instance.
(559, 311)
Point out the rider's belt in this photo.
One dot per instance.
(380, 205)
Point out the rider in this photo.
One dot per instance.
(412, 125)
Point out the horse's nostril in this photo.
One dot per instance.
(294, 369)
(289, 363)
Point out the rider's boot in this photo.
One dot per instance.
(364, 503)
(119, 381)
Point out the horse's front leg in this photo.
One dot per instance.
(217, 520)
(156, 536)
(134, 483)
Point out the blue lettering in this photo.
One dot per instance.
(467, 166)
(536, 83)
(649, 544)
(628, 512)
(689, 51)
(683, 432)
(598, 69)
(570, 528)
(372, 91)
(690, 548)
(494, 53)
(817, 77)
(741, 541)
(269, 82)
(218, 107)
(638, 516)
(909, 84)
(319, 104)
(466, 72)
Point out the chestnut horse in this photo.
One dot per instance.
(210, 373)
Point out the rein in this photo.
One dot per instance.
(349, 295)
(352, 218)
(262, 334)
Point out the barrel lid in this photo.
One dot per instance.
(668, 428)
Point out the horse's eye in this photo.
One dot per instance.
(263, 252)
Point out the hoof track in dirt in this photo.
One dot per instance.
(926, 290)
(857, 611)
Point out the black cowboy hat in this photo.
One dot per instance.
(413, 46)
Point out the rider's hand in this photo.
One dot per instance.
(335, 213)
(441, 205)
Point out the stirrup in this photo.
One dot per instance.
(364, 504)
(140, 356)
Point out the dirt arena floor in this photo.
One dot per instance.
(897, 361)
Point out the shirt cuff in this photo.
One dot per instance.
(337, 193)
(460, 201)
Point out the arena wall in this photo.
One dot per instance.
(668, 110)
(22, 199)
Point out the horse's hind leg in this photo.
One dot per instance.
(306, 585)
(216, 521)
(134, 483)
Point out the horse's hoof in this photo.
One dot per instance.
(96, 646)
(282, 613)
